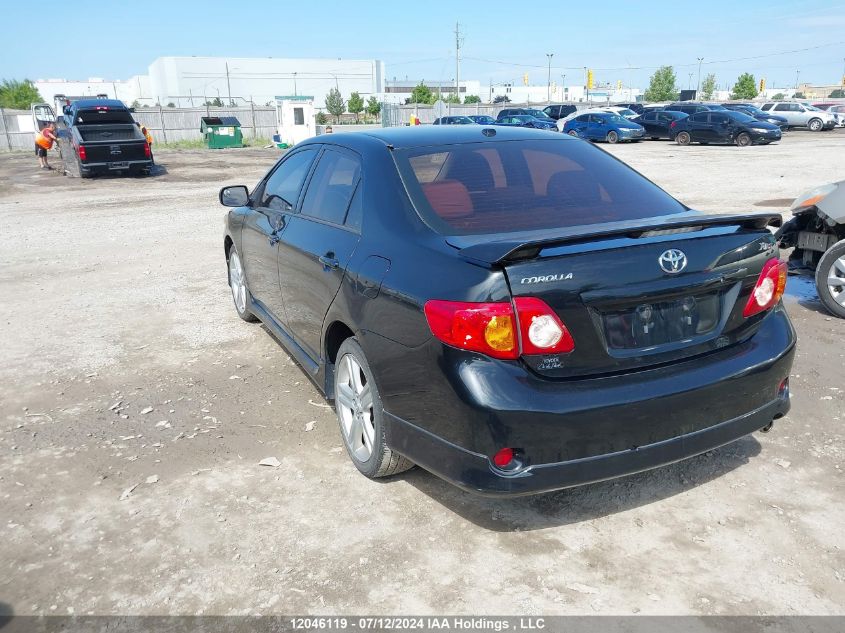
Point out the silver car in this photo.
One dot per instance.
(801, 115)
(817, 234)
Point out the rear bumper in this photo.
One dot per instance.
(572, 432)
(104, 168)
(475, 473)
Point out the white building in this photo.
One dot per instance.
(125, 90)
(398, 91)
(186, 81)
(556, 93)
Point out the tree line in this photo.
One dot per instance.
(663, 87)
(336, 106)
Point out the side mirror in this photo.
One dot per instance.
(234, 196)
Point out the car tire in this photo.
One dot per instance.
(815, 125)
(683, 138)
(240, 291)
(612, 137)
(360, 415)
(654, 138)
(573, 133)
(831, 268)
(743, 139)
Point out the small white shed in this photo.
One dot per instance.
(294, 120)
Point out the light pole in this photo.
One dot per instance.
(563, 87)
(689, 83)
(698, 88)
(797, 74)
(294, 84)
(549, 79)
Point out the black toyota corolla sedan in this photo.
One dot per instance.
(513, 310)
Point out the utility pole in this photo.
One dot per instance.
(698, 88)
(490, 100)
(549, 80)
(294, 83)
(458, 42)
(563, 88)
(797, 73)
(228, 85)
(689, 83)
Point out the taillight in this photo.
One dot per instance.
(769, 288)
(147, 152)
(488, 328)
(673, 124)
(542, 332)
(491, 328)
(503, 458)
(82, 153)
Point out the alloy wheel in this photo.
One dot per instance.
(237, 282)
(354, 402)
(612, 137)
(836, 280)
(815, 125)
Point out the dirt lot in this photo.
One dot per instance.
(135, 407)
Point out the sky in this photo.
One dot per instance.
(780, 40)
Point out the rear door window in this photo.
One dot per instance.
(331, 187)
(508, 186)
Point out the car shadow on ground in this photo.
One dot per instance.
(588, 502)
(801, 289)
(6, 614)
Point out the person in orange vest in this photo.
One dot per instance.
(146, 133)
(44, 141)
(147, 136)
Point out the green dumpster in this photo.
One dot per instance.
(221, 131)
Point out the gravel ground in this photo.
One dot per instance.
(135, 407)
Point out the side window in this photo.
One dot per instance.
(355, 215)
(281, 191)
(781, 107)
(583, 118)
(700, 117)
(718, 118)
(331, 187)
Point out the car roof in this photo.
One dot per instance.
(93, 103)
(422, 136)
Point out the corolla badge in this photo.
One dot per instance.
(672, 261)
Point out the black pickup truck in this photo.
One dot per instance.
(99, 136)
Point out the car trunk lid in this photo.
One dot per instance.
(637, 294)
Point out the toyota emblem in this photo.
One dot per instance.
(672, 261)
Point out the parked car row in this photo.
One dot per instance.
(684, 122)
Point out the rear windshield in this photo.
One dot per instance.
(102, 115)
(510, 186)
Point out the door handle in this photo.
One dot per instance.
(274, 238)
(329, 261)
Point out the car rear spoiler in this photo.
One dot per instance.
(519, 246)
